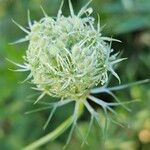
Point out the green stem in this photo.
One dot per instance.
(51, 136)
(54, 134)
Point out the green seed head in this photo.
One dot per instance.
(67, 56)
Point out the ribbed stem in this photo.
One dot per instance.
(54, 134)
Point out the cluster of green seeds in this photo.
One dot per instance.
(67, 56)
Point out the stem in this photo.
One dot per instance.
(51, 136)
(54, 134)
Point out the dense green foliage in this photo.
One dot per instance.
(126, 20)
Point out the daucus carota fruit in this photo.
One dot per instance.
(67, 56)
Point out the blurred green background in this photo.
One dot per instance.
(126, 20)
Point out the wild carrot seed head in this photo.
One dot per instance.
(67, 56)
